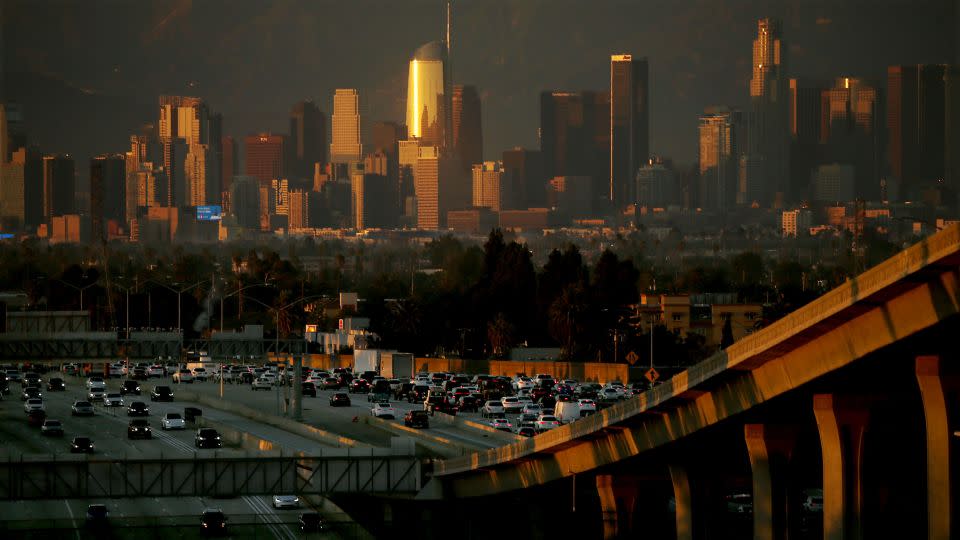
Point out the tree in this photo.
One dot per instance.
(727, 337)
(500, 333)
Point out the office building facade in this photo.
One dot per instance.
(629, 125)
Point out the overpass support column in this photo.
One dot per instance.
(940, 389)
(842, 424)
(616, 493)
(683, 495)
(769, 447)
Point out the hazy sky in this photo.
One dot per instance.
(252, 60)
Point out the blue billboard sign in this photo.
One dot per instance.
(7, 236)
(209, 213)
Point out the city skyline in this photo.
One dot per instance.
(825, 40)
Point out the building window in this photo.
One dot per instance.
(677, 317)
(725, 316)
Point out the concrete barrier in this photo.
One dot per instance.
(463, 423)
(233, 436)
(304, 430)
(439, 445)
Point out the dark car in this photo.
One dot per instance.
(469, 404)
(368, 376)
(139, 429)
(340, 400)
(97, 515)
(51, 428)
(417, 419)
(56, 385)
(207, 438)
(140, 374)
(403, 390)
(138, 408)
(36, 418)
(310, 522)
(526, 432)
(439, 404)
(331, 383)
(81, 445)
(309, 389)
(418, 393)
(130, 387)
(30, 392)
(161, 393)
(31, 379)
(213, 522)
(359, 386)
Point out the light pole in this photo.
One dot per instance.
(236, 292)
(179, 293)
(81, 289)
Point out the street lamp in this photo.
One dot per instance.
(81, 289)
(179, 292)
(127, 310)
(236, 292)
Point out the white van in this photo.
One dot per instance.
(567, 411)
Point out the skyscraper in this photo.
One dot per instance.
(529, 182)
(265, 154)
(850, 132)
(59, 186)
(108, 174)
(768, 122)
(488, 185)
(308, 139)
(186, 126)
(923, 126)
(804, 114)
(346, 146)
(428, 188)
(575, 137)
(719, 132)
(17, 201)
(428, 96)
(467, 125)
(629, 125)
(245, 201)
(229, 165)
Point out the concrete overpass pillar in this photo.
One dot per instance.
(769, 447)
(842, 424)
(618, 499)
(940, 390)
(684, 499)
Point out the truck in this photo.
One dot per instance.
(396, 365)
(366, 360)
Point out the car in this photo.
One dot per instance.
(435, 404)
(172, 420)
(156, 370)
(36, 418)
(130, 387)
(359, 386)
(418, 393)
(161, 393)
(56, 384)
(416, 419)
(340, 399)
(183, 376)
(81, 445)
(532, 408)
(511, 405)
(117, 370)
(140, 373)
(31, 379)
(96, 394)
(34, 404)
(261, 383)
(213, 521)
(138, 408)
(52, 428)
(383, 410)
(587, 407)
(200, 374)
(113, 399)
(469, 403)
(30, 392)
(526, 431)
(739, 503)
(523, 383)
(546, 423)
(502, 424)
(207, 438)
(139, 429)
(377, 397)
(308, 389)
(331, 383)
(813, 504)
(81, 408)
(13, 376)
(493, 408)
(310, 522)
(286, 501)
(96, 382)
(97, 514)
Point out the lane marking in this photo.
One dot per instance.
(76, 529)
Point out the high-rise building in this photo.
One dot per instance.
(805, 148)
(18, 202)
(108, 181)
(720, 132)
(186, 124)
(230, 164)
(575, 137)
(59, 186)
(386, 136)
(923, 127)
(245, 201)
(299, 215)
(833, 183)
(629, 125)
(346, 146)
(308, 139)
(429, 96)
(264, 155)
(467, 125)
(768, 137)
(489, 185)
(427, 174)
(203, 187)
(529, 182)
(570, 195)
(849, 131)
(280, 197)
(657, 185)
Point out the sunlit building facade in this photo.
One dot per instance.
(345, 146)
(428, 96)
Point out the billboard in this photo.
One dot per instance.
(209, 213)
(7, 236)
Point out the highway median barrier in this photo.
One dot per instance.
(439, 445)
(463, 423)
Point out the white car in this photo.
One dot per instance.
(572, 383)
(383, 410)
(532, 408)
(610, 394)
(34, 404)
(118, 370)
(112, 399)
(200, 374)
(523, 383)
(511, 405)
(286, 501)
(184, 376)
(546, 423)
(155, 370)
(492, 408)
(587, 406)
(502, 424)
(96, 394)
(172, 421)
(261, 383)
(96, 382)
